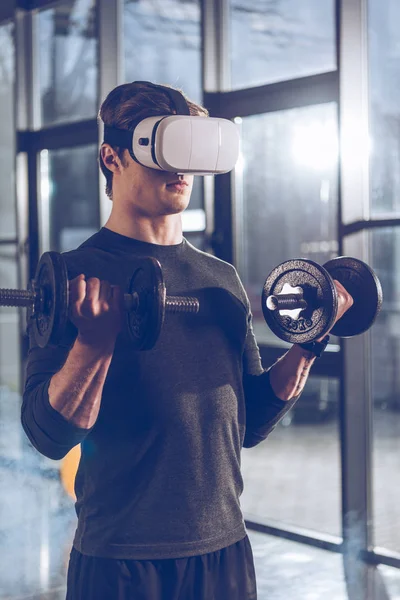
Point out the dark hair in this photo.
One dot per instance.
(128, 104)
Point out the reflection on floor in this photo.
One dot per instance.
(37, 528)
(391, 578)
(294, 477)
(37, 525)
(37, 519)
(291, 571)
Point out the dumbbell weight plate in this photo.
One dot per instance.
(145, 322)
(319, 292)
(363, 285)
(49, 317)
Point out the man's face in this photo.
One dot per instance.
(151, 192)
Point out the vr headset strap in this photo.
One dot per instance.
(123, 137)
(117, 137)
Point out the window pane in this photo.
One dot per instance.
(294, 476)
(385, 351)
(163, 43)
(274, 40)
(7, 132)
(384, 78)
(287, 177)
(68, 61)
(69, 206)
(10, 431)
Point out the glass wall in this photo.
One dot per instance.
(69, 203)
(162, 43)
(68, 62)
(385, 349)
(273, 40)
(284, 204)
(287, 176)
(7, 132)
(384, 90)
(294, 476)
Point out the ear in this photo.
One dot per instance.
(110, 158)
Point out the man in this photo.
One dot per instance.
(161, 431)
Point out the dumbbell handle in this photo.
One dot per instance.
(17, 297)
(286, 302)
(173, 304)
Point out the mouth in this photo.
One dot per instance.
(180, 182)
(177, 186)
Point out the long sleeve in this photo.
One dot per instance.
(264, 409)
(48, 431)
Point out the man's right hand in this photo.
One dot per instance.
(96, 310)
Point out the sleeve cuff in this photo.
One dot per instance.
(275, 400)
(58, 431)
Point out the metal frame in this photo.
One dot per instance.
(356, 415)
(215, 45)
(327, 542)
(110, 71)
(357, 226)
(283, 95)
(74, 134)
(215, 77)
(31, 137)
(36, 4)
(381, 556)
(27, 119)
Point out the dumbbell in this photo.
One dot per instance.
(145, 301)
(300, 303)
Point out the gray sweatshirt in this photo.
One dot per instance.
(159, 475)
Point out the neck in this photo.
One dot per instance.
(164, 231)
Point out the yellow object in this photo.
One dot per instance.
(68, 469)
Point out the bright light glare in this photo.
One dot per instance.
(239, 167)
(316, 145)
(357, 145)
(45, 185)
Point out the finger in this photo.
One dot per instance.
(339, 286)
(117, 300)
(92, 290)
(345, 300)
(105, 296)
(77, 289)
(105, 291)
(116, 295)
(89, 306)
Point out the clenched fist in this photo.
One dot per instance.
(96, 309)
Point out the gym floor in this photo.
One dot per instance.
(293, 477)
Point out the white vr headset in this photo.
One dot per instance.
(180, 143)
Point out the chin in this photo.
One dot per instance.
(177, 205)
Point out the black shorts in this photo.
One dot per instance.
(226, 574)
